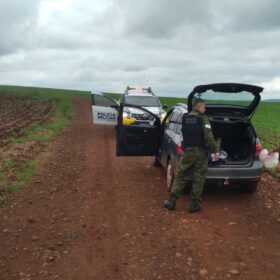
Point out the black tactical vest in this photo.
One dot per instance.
(193, 133)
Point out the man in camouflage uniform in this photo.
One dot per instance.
(194, 158)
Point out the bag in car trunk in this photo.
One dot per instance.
(237, 138)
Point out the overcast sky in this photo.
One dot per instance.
(171, 46)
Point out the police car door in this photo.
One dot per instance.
(104, 109)
(138, 133)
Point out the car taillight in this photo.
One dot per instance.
(179, 149)
(258, 149)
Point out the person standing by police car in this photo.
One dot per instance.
(198, 141)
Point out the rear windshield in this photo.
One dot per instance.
(144, 101)
(243, 98)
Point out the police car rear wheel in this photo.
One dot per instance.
(169, 175)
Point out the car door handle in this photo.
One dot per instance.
(169, 140)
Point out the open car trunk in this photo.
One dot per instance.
(237, 138)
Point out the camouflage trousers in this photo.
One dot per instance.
(193, 162)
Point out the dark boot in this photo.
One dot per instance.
(194, 206)
(170, 203)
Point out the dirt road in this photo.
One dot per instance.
(90, 215)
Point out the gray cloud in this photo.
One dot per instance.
(252, 15)
(17, 18)
(170, 45)
(160, 19)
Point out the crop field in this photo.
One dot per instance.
(267, 123)
(30, 118)
(266, 119)
(16, 113)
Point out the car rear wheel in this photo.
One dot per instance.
(249, 187)
(170, 175)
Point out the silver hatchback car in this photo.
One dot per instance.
(229, 108)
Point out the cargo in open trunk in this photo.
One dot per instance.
(237, 138)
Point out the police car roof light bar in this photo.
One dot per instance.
(148, 89)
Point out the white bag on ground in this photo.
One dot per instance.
(269, 160)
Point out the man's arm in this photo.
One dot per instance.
(208, 135)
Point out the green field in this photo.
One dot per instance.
(42, 93)
(267, 123)
(17, 167)
(266, 119)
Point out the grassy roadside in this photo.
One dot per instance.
(60, 116)
(15, 171)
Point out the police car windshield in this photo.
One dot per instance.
(144, 101)
(243, 98)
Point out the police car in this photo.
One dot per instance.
(139, 96)
(229, 106)
(145, 98)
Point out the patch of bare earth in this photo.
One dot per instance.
(17, 112)
(268, 195)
